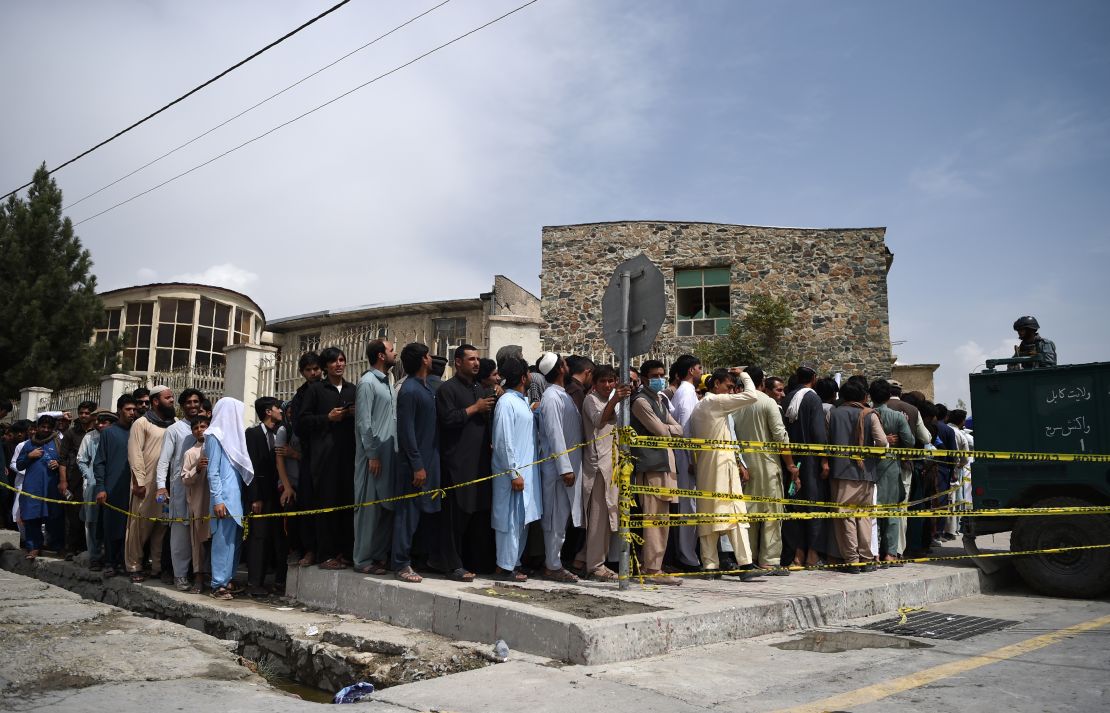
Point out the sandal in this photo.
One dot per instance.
(197, 588)
(408, 575)
(233, 588)
(307, 561)
(559, 575)
(659, 578)
(137, 577)
(461, 575)
(372, 568)
(32, 555)
(332, 564)
(223, 593)
(516, 575)
(604, 574)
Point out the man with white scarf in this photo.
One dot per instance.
(229, 471)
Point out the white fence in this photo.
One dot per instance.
(208, 380)
(68, 399)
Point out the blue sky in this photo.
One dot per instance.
(977, 133)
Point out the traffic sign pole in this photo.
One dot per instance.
(625, 421)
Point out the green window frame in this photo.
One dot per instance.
(702, 301)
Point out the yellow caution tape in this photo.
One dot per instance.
(711, 495)
(634, 440)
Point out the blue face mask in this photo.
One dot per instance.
(657, 384)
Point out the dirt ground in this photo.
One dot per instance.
(566, 601)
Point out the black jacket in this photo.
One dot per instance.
(264, 487)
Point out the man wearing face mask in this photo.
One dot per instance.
(654, 466)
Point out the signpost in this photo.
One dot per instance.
(632, 312)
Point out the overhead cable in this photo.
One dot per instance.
(310, 111)
(187, 94)
(255, 106)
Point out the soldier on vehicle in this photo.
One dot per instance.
(1042, 351)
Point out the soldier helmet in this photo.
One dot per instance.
(1026, 322)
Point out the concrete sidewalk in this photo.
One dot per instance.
(62, 650)
(702, 611)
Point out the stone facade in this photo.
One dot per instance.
(834, 279)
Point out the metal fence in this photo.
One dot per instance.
(68, 399)
(210, 380)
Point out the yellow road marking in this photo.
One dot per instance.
(878, 691)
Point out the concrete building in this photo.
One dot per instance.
(833, 279)
(177, 325)
(915, 377)
(507, 314)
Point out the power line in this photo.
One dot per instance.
(255, 106)
(186, 95)
(310, 111)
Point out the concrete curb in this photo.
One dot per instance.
(444, 608)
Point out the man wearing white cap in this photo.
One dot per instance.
(560, 429)
(144, 446)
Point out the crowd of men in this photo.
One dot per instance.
(508, 469)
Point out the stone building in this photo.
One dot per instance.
(834, 279)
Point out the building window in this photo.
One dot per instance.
(702, 301)
(175, 333)
(242, 326)
(308, 343)
(213, 331)
(447, 333)
(138, 325)
(110, 327)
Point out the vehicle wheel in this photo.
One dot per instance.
(1080, 573)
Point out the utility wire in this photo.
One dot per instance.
(252, 108)
(310, 111)
(186, 95)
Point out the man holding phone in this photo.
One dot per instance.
(327, 423)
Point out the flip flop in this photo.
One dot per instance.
(332, 564)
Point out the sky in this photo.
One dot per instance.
(977, 133)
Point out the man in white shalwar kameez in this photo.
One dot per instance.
(560, 430)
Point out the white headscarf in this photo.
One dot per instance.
(227, 428)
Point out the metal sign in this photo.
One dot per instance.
(647, 306)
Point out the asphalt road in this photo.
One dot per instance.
(1056, 659)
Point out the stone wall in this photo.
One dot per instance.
(834, 279)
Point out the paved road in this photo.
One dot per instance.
(1056, 659)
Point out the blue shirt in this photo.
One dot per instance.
(514, 448)
(223, 480)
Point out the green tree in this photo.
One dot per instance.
(761, 337)
(48, 301)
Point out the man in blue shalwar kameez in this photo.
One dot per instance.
(517, 498)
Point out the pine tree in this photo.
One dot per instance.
(48, 301)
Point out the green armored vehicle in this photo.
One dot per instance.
(1049, 410)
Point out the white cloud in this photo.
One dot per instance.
(943, 179)
(225, 275)
(146, 274)
(950, 383)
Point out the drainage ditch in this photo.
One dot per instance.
(310, 664)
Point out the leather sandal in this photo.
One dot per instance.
(406, 574)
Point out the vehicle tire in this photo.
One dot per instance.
(1081, 573)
